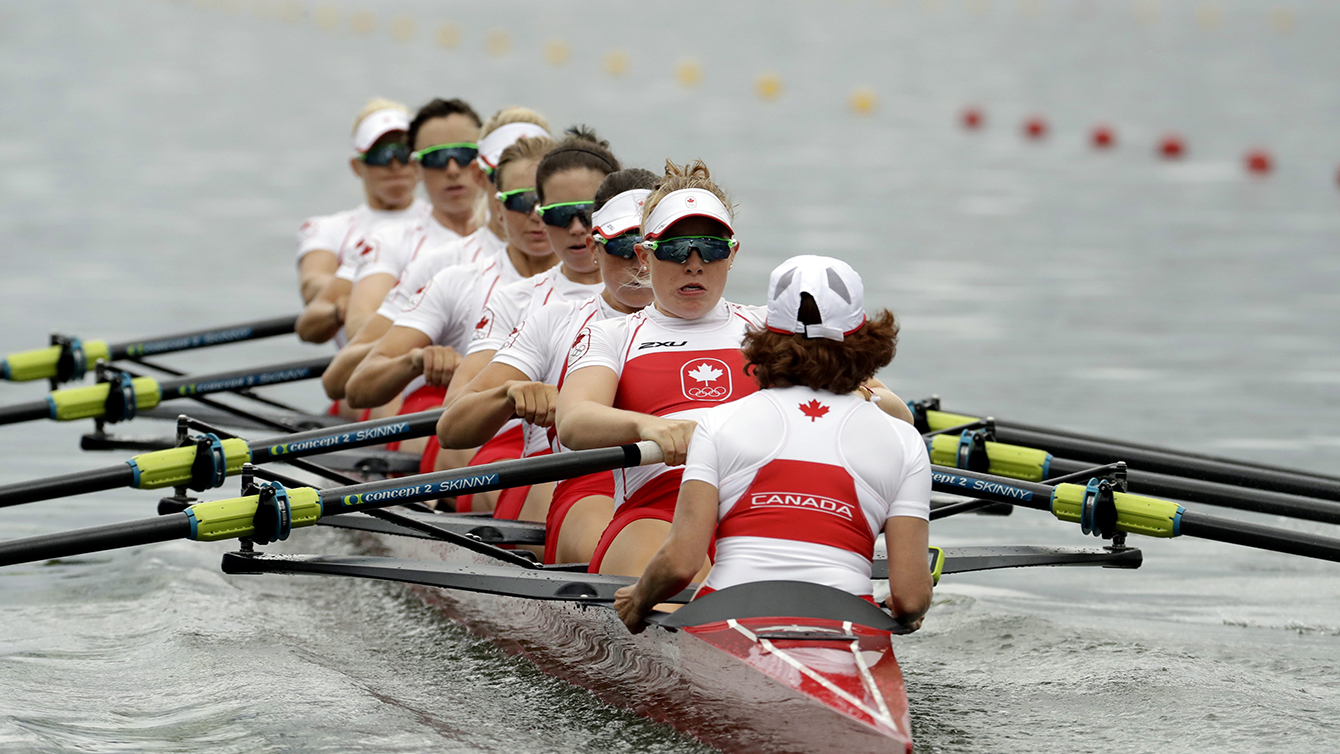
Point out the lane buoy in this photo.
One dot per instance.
(498, 42)
(1103, 137)
(688, 72)
(972, 118)
(363, 22)
(616, 62)
(402, 28)
(863, 100)
(1172, 147)
(557, 52)
(1258, 161)
(768, 86)
(448, 35)
(1035, 128)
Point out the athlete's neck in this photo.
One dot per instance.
(585, 278)
(496, 226)
(461, 224)
(617, 305)
(528, 265)
(382, 206)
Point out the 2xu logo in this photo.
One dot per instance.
(662, 344)
(706, 380)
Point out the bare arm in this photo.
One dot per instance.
(587, 418)
(347, 360)
(888, 402)
(678, 560)
(399, 356)
(315, 269)
(498, 393)
(469, 368)
(325, 314)
(910, 585)
(366, 295)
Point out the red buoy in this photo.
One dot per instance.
(972, 119)
(1172, 147)
(1259, 162)
(1035, 128)
(1103, 137)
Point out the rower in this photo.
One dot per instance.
(565, 182)
(435, 326)
(326, 242)
(797, 480)
(520, 381)
(499, 132)
(648, 375)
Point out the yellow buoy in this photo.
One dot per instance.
(616, 62)
(363, 22)
(1209, 15)
(688, 72)
(1146, 11)
(326, 17)
(290, 12)
(557, 52)
(863, 100)
(448, 35)
(499, 42)
(768, 86)
(1281, 20)
(402, 28)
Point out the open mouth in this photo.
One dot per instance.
(692, 289)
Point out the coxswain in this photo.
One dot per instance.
(520, 382)
(797, 480)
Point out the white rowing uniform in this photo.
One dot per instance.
(429, 259)
(538, 348)
(447, 308)
(807, 479)
(341, 232)
(513, 304)
(389, 247)
(669, 367)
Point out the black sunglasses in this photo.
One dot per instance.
(622, 246)
(437, 157)
(561, 214)
(709, 248)
(381, 155)
(519, 200)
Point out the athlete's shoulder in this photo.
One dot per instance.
(316, 225)
(754, 315)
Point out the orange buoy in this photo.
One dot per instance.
(1172, 147)
(972, 119)
(1035, 128)
(1103, 137)
(1259, 162)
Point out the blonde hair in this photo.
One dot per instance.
(373, 105)
(692, 175)
(523, 149)
(514, 114)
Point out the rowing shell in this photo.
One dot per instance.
(812, 676)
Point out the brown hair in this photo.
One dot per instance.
(776, 359)
(621, 181)
(580, 148)
(440, 108)
(693, 175)
(525, 148)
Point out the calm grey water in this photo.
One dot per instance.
(156, 157)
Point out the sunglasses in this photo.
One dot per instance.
(620, 246)
(381, 155)
(560, 215)
(709, 248)
(519, 200)
(437, 157)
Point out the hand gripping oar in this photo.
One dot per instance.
(1103, 511)
(1098, 450)
(208, 460)
(969, 450)
(121, 398)
(69, 358)
(270, 515)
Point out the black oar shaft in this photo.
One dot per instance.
(1219, 529)
(24, 412)
(78, 483)
(244, 378)
(214, 336)
(1223, 495)
(345, 436)
(95, 539)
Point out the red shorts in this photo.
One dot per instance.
(505, 446)
(513, 499)
(704, 591)
(655, 499)
(566, 494)
(423, 399)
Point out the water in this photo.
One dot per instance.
(158, 156)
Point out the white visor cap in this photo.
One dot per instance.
(376, 125)
(491, 147)
(836, 288)
(622, 213)
(678, 205)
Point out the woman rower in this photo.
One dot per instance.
(434, 329)
(797, 480)
(381, 161)
(521, 379)
(647, 375)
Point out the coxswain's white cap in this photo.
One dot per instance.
(376, 125)
(677, 205)
(491, 147)
(836, 288)
(622, 213)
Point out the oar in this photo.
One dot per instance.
(100, 401)
(1036, 465)
(1134, 514)
(282, 509)
(205, 463)
(1098, 450)
(69, 358)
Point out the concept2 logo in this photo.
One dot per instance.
(980, 485)
(428, 491)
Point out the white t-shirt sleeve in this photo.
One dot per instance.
(704, 463)
(531, 348)
(386, 250)
(598, 345)
(324, 232)
(500, 316)
(433, 307)
(913, 497)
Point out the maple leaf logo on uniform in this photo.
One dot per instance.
(705, 373)
(705, 379)
(814, 409)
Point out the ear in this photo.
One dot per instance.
(642, 255)
(591, 246)
(357, 166)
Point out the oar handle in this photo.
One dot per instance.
(95, 539)
(25, 412)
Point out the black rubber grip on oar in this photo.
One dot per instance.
(214, 336)
(244, 378)
(1232, 531)
(78, 483)
(25, 412)
(80, 541)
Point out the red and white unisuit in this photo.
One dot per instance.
(668, 367)
(340, 233)
(430, 259)
(807, 480)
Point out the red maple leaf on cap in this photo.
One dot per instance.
(814, 409)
